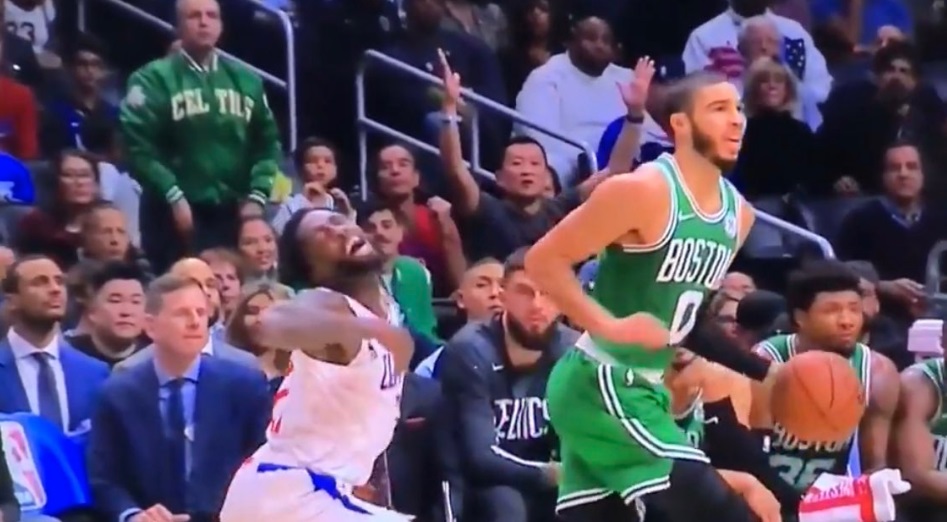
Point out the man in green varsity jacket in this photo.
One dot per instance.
(200, 138)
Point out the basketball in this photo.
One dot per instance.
(817, 397)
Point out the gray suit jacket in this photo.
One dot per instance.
(221, 349)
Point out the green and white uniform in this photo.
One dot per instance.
(691, 421)
(607, 401)
(798, 462)
(933, 369)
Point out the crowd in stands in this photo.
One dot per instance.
(126, 154)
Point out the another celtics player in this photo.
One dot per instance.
(665, 236)
(920, 439)
(826, 309)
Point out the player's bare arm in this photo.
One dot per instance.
(324, 328)
(761, 416)
(760, 499)
(874, 433)
(913, 444)
(627, 208)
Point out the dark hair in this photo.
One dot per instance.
(293, 269)
(374, 206)
(56, 209)
(85, 43)
(886, 55)
(11, 285)
(520, 35)
(164, 285)
(98, 135)
(112, 271)
(527, 140)
(515, 262)
(679, 94)
(818, 277)
(299, 155)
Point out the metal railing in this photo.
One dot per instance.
(365, 124)
(762, 217)
(288, 85)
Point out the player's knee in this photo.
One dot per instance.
(499, 504)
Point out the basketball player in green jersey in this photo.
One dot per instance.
(920, 439)
(826, 309)
(665, 235)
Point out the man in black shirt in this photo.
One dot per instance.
(494, 377)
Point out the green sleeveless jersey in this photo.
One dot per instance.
(933, 369)
(798, 462)
(691, 422)
(670, 277)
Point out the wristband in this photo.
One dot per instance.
(450, 119)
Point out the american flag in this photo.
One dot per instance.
(794, 52)
(726, 60)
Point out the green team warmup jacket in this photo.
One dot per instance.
(201, 133)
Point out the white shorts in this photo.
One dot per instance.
(261, 492)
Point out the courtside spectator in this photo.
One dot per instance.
(241, 328)
(713, 46)
(104, 237)
(204, 158)
(100, 139)
(317, 165)
(116, 313)
(230, 269)
(576, 93)
(404, 277)
(57, 382)
(171, 433)
(53, 228)
(82, 99)
(19, 116)
(256, 242)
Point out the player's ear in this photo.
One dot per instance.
(679, 122)
(799, 318)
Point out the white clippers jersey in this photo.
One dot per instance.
(32, 25)
(335, 419)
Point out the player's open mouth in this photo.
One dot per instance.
(358, 245)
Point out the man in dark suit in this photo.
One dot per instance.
(169, 434)
(39, 372)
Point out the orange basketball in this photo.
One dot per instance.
(817, 397)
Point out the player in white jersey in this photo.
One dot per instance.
(338, 406)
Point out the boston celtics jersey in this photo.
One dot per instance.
(933, 369)
(799, 462)
(691, 422)
(669, 277)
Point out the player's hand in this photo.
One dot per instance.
(635, 92)
(847, 186)
(552, 471)
(342, 202)
(183, 219)
(762, 502)
(452, 84)
(641, 329)
(158, 513)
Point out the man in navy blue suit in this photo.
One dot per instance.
(169, 434)
(39, 371)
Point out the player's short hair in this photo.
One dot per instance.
(11, 285)
(515, 262)
(679, 94)
(818, 277)
(115, 271)
(164, 285)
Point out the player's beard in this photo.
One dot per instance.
(356, 267)
(704, 146)
(536, 342)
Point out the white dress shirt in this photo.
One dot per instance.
(559, 96)
(28, 368)
(209, 347)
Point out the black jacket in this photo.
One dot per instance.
(499, 414)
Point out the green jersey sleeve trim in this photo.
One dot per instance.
(672, 217)
(928, 372)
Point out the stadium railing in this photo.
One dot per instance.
(288, 85)
(366, 124)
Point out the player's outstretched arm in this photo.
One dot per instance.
(913, 443)
(323, 327)
(619, 207)
(874, 432)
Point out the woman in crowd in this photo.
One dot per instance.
(530, 45)
(256, 298)
(256, 241)
(54, 227)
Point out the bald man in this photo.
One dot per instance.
(199, 271)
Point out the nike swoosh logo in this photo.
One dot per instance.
(712, 420)
(497, 367)
(684, 217)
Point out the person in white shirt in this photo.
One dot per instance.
(33, 21)
(575, 93)
(714, 46)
